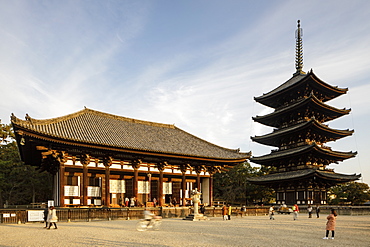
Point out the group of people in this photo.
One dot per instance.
(331, 219)
(295, 209)
(226, 212)
(132, 202)
(50, 217)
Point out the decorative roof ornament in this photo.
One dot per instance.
(299, 50)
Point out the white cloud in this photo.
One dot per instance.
(60, 56)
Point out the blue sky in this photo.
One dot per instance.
(195, 64)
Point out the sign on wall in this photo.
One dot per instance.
(143, 187)
(167, 188)
(35, 215)
(93, 191)
(117, 186)
(71, 190)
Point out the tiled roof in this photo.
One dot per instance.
(298, 78)
(316, 127)
(273, 118)
(299, 174)
(284, 154)
(292, 81)
(98, 128)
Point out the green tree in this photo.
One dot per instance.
(352, 193)
(19, 183)
(232, 186)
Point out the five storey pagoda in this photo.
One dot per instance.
(300, 111)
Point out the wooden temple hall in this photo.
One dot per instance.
(102, 159)
(300, 134)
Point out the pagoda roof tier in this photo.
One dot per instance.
(311, 173)
(296, 86)
(282, 115)
(102, 131)
(303, 151)
(312, 125)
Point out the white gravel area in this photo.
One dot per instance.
(246, 231)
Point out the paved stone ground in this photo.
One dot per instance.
(246, 231)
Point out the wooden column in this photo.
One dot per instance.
(107, 161)
(62, 160)
(211, 170)
(85, 160)
(198, 170)
(183, 184)
(61, 184)
(211, 190)
(135, 165)
(160, 167)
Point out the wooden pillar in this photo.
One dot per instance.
(183, 187)
(160, 167)
(183, 184)
(198, 170)
(135, 165)
(135, 184)
(211, 190)
(211, 170)
(61, 184)
(295, 194)
(85, 184)
(62, 160)
(107, 161)
(160, 188)
(149, 199)
(85, 160)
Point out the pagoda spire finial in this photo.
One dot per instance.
(299, 50)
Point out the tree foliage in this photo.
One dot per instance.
(232, 186)
(352, 193)
(19, 183)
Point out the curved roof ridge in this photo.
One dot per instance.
(312, 121)
(292, 81)
(295, 79)
(215, 145)
(336, 88)
(298, 174)
(87, 110)
(303, 148)
(325, 126)
(133, 120)
(93, 127)
(301, 102)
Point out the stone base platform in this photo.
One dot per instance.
(196, 217)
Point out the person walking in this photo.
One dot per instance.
(224, 212)
(271, 213)
(52, 217)
(229, 212)
(318, 211)
(309, 210)
(46, 211)
(132, 202)
(295, 212)
(330, 224)
(243, 210)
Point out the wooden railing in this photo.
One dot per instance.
(18, 216)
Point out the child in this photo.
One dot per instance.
(330, 224)
(271, 213)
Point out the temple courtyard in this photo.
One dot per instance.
(246, 231)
